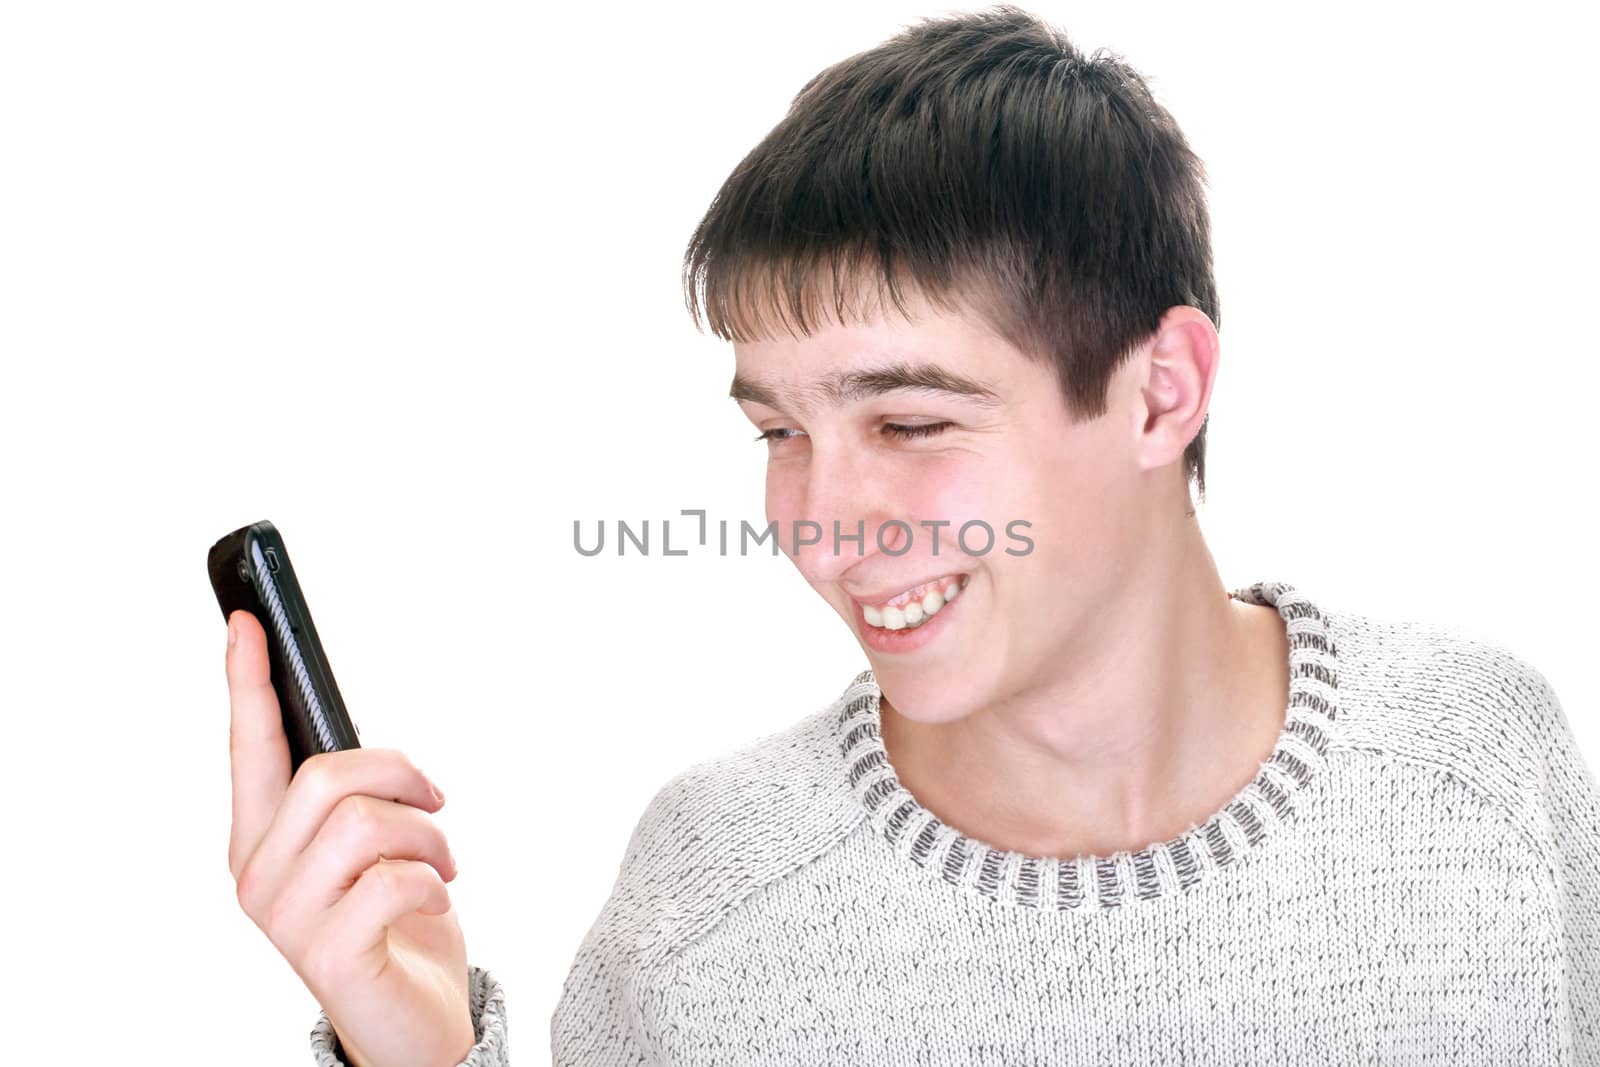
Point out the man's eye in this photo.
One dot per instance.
(924, 430)
(895, 429)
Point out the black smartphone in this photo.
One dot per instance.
(250, 570)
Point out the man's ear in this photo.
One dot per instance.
(1179, 367)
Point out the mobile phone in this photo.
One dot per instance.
(250, 570)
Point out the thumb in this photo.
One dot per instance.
(258, 750)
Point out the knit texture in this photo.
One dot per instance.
(1412, 878)
(488, 1005)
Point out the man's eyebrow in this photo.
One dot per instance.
(848, 386)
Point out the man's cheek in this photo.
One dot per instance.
(783, 497)
(959, 518)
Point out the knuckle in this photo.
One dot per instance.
(315, 776)
(248, 889)
(359, 819)
(386, 878)
(272, 923)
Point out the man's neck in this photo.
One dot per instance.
(1175, 714)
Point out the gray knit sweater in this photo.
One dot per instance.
(1413, 877)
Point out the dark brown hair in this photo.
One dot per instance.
(983, 159)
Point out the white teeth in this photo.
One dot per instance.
(913, 613)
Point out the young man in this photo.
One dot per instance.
(1087, 805)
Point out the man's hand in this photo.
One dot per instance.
(345, 873)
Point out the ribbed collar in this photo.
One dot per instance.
(1014, 878)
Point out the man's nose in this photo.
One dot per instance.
(844, 508)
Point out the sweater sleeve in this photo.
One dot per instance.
(596, 1022)
(1572, 797)
(488, 1005)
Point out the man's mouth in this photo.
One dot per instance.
(912, 607)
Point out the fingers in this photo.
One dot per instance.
(322, 783)
(362, 832)
(353, 940)
(258, 750)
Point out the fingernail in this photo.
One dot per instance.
(233, 635)
(437, 796)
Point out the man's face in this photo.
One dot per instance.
(1006, 458)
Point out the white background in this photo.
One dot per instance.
(404, 279)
